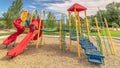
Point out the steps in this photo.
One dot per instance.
(94, 55)
(95, 61)
(85, 44)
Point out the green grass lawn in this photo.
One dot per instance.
(51, 33)
(3, 34)
(114, 33)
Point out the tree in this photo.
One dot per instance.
(50, 21)
(12, 13)
(73, 22)
(73, 25)
(91, 20)
(113, 12)
(114, 25)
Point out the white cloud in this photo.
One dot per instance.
(31, 6)
(91, 5)
(2, 12)
(33, 3)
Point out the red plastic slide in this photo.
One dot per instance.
(36, 25)
(20, 47)
(13, 37)
(23, 44)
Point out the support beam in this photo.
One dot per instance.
(99, 35)
(37, 42)
(77, 36)
(69, 22)
(87, 25)
(60, 34)
(113, 46)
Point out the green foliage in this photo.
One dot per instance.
(50, 21)
(101, 14)
(73, 22)
(112, 14)
(12, 13)
(2, 24)
(93, 29)
(115, 25)
(91, 20)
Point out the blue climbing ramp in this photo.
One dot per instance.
(94, 55)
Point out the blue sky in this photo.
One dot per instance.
(4, 4)
(57, 7)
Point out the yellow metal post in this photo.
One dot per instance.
(37, 43)
(33, 12)
(42, 40)
(101, 47)
(60, 33)
(36, 17)
(77, 36)
(69, 18)
(113, 46)
(87, 25)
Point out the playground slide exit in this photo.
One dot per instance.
(23, 44)
(13, 37)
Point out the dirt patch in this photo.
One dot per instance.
(50, 56)
(7, 30)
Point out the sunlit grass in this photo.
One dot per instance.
(114, 33)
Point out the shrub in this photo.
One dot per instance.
(115, 25)
(2, 24)
(93, 29)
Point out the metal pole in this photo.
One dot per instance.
(101, 46)
(37, 42)
(77, 36)
(87, 25)
(69, 22)
(113, 46)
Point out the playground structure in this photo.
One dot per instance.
(97, 53)
(81, 34)
(20, 29)
(33, 26)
